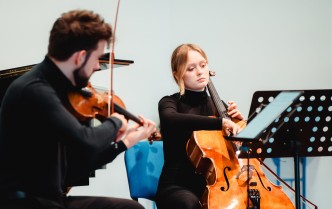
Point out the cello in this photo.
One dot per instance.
(232, 183)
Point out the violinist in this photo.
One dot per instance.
(44, 148)
(180, 114)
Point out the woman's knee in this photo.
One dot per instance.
(177, 199)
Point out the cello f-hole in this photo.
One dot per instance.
(226, 178)
(260, 179)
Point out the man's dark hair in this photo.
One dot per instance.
(77, 30)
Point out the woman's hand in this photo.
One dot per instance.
(230, 126)
(233, 112)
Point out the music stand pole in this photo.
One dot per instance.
(297, 175)
(294, 145)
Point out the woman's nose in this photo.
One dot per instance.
(199, 70)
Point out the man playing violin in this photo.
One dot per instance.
(44, 148)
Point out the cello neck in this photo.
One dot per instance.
(218, 103)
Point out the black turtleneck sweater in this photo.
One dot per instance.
(43, 147)
(179, 117)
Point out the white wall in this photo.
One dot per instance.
(252, 45)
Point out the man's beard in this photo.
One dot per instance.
(80, 81)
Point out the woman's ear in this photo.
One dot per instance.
(175, 77)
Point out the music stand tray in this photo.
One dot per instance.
(264, 120)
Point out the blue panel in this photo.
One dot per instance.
(144, 163)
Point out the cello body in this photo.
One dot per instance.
(232, 183)
(227, 179)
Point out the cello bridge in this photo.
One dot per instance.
(244, 171)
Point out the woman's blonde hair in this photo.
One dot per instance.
(179, 62)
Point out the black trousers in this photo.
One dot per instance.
(72, 202)
(175, 197)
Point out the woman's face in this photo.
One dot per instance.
(196, 76)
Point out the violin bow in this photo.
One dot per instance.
(111, 63)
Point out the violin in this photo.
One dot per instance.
(88, 103)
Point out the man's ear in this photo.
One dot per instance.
(80, 57)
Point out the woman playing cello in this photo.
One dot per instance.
(181, 114)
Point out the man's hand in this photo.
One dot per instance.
(136, 133)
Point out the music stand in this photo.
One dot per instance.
(300, 131)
